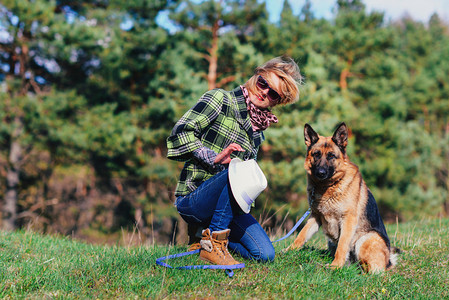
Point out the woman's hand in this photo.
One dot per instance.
(224, 157)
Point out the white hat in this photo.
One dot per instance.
(247, 182)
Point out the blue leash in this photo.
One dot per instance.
(228, 268)
(306, 214)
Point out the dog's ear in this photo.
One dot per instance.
(340, 136)
(310, 136)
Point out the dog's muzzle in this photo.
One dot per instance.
(323, 173)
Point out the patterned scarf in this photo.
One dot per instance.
(260, 118)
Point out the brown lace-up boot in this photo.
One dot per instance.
(215, 247)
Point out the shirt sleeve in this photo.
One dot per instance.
(206, 157)
(186, 135)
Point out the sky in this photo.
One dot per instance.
(419, 10)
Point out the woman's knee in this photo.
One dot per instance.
(270, 254)
(266, 254)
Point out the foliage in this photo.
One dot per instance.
(90, 90)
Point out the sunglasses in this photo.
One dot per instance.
(273, 96)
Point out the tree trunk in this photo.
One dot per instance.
(213, 57)
(446, 203)
(181, 234)
(345, 73)
(343, 76)
(12, 178)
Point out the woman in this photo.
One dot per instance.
(220, 126)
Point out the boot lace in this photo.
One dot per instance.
(223, 246)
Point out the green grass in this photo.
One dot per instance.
(37, 266)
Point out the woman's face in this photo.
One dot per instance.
(260, 97)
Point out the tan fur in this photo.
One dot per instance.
(338, 203)
(373, 254)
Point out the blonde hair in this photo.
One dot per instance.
(288, 72)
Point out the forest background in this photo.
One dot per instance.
(90, 90)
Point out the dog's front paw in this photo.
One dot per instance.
(336, 265)
(289, 248)
(295, 245)
(285, 250)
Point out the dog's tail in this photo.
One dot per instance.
(394, 257)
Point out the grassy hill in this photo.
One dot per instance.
(42, 266)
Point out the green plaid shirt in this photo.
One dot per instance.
(218, 119)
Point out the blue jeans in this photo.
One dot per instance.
(212, 205)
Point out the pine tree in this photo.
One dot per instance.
(216, 30)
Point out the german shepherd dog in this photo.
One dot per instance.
(342, 205)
